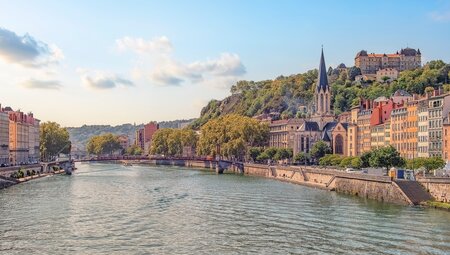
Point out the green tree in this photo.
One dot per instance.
(104, 144)
(386, 157)
(282, 154)
(319, 149)
(433, 163)
(356, 162)
(365, 159)
(173, 142)
(263, 156)
(302, 157)
(271, 151)
(254, 152)
(53, 140)
(231, 136)
(133, 150)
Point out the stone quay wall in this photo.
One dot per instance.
(380, 188)
(438, 187)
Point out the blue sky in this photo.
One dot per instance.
(113, 62)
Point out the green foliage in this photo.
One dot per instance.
(365, 158)
(231, 136)
(271, 151)
(103, 144)
(330, 160)
(254, 153)
(386, 157)
(319, 149)
(302, 157)
(53, 140)
(282, 154)
(356, 163)
(283, 95)
(133, 150)
(171, 142)
(433, 163)
(263, 156)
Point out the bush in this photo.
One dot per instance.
(330, 160)
(20, 173)
(28, 173)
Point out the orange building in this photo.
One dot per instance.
(446, 141)
(411, 129)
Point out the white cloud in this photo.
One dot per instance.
(441, 16)
(41, 84)
(141, 46)
(159, 66)
(26, 50)
(103, 80)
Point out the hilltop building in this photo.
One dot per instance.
(406, 59)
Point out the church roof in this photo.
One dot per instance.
(402, 93)
(322, 81)
(309, 126)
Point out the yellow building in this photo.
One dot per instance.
(281, 133)
(370, 63)
(398, 130)
(364, 132)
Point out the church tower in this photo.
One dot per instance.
(322, 95)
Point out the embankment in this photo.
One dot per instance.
(439, 188)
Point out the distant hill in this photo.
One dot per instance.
(80, 135)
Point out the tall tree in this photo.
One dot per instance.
(53, 140)
(231, 136)
(386, 157)
(319, 150)
(105, 144)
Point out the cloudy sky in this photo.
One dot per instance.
(114, 62)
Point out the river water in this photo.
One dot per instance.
(115, 209)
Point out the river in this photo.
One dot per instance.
(115, 209)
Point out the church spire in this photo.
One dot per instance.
(322, 81)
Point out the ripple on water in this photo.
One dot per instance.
(113, 209)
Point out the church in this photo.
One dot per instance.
(322, 125)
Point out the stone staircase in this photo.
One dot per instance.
(414, 191)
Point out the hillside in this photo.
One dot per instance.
(80, 135)
(291, 96)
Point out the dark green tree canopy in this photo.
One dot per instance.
(53, 140)
(105, 144)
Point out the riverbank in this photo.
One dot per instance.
(6, 181)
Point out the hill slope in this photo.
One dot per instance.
(290, 96)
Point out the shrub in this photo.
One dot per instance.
(20, 173)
